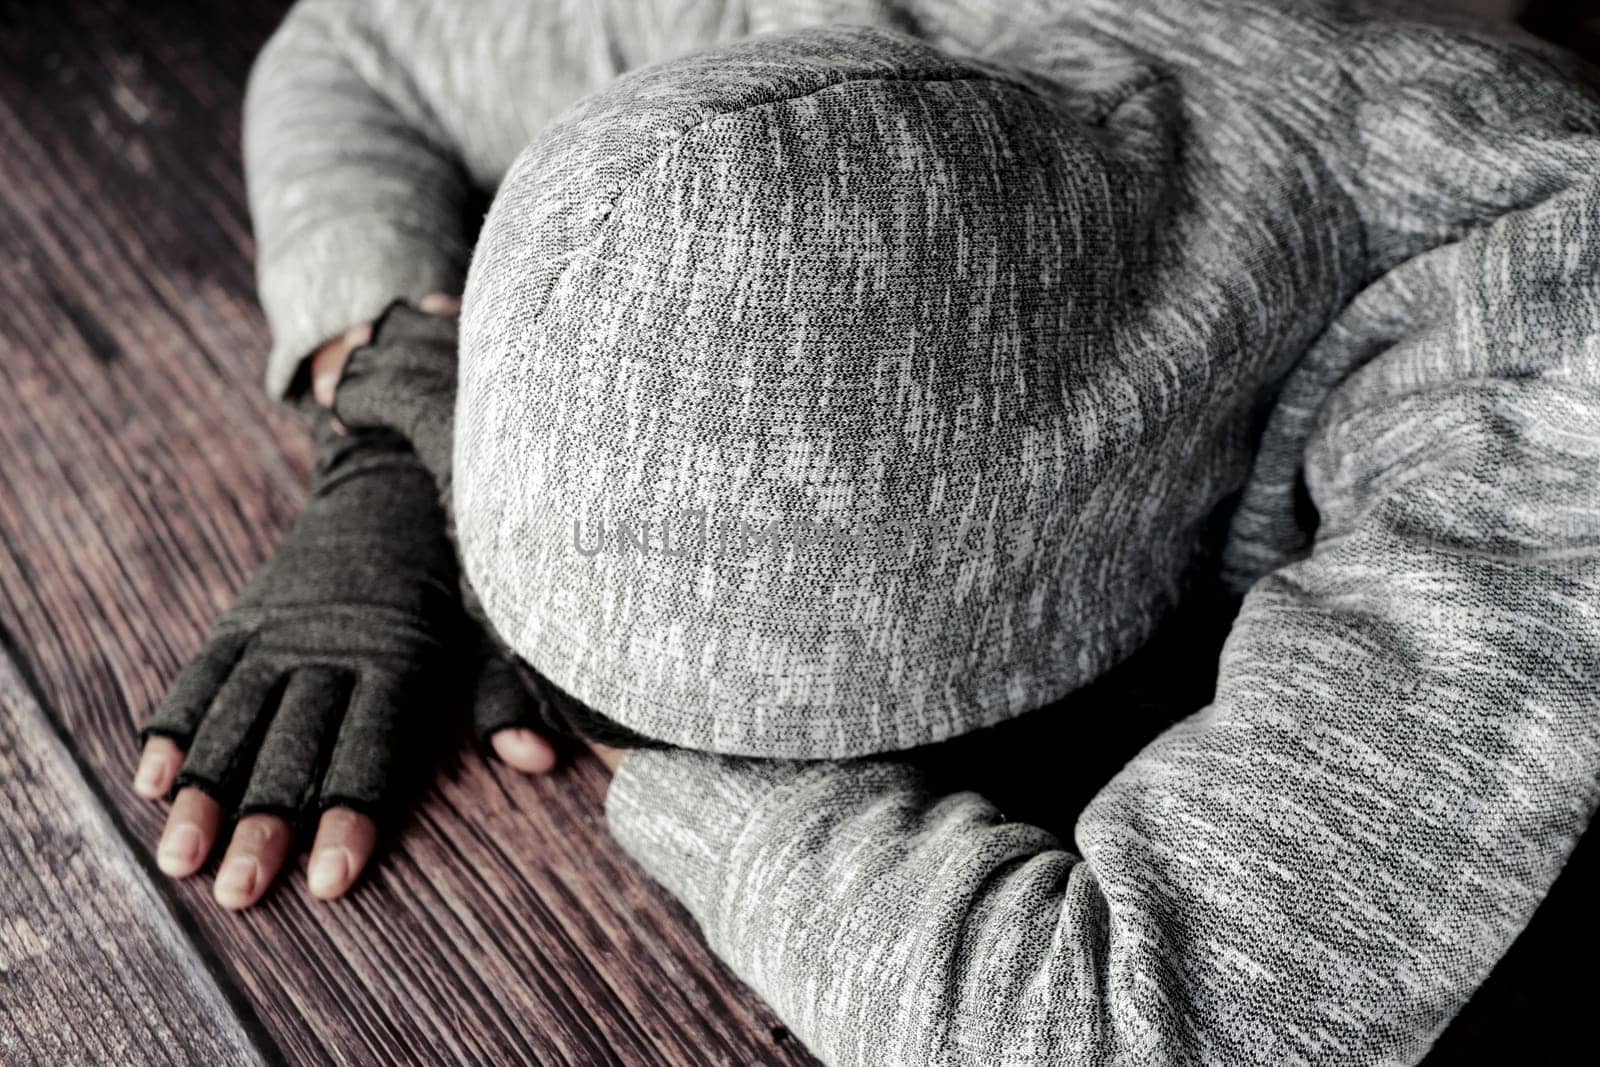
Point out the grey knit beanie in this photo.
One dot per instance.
(792, 417)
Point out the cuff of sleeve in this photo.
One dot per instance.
(680, 814)
(357, 275)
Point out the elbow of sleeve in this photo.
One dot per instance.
(282, 68)
(302, 62)
(269, 74)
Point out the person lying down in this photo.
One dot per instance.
(837, 379)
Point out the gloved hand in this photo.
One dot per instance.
(327, 675)
(402, 376)
(321, 690)
(404, 380)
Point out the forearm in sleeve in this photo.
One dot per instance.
(370, 125)
(1323, 864)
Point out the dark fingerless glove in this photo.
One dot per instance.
(404, 380)
(323, 681)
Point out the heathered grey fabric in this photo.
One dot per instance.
(404, 381)
(1147, 256)
(831, 322)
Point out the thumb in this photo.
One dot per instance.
(506, 717)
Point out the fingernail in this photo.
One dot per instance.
(152, 776)
(524, 749)
(517, 738)
(329, 870)
(236, 882)
(180, 849)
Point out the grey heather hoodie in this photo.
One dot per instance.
(1123, 274)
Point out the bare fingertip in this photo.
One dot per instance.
(155, 774)
(158, 767)
(524, 750)
(439, 304)
(238, 883)
(329, 875)
(181, 850)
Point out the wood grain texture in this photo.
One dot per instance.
(144, 477)
(94, 968)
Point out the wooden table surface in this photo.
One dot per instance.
(143, 477)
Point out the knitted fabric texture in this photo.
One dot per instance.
(404, 382)
(803, 410)
(1101, 276)
(324, 682)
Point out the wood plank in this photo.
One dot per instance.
(95, 967)
(145, 477)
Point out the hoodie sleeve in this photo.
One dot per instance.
(1404, 743)
(371, 126)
